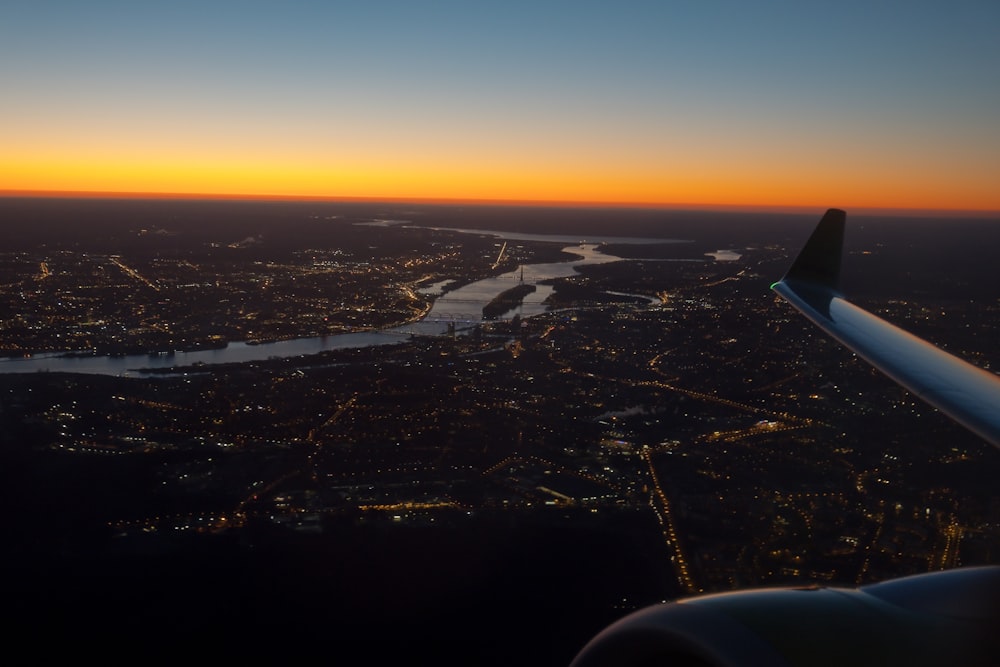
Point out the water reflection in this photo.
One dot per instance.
(462, 307)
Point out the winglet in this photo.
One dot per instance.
(967, 394)
(819, 261)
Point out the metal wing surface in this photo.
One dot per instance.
(966, 393)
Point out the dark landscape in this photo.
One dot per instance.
(498, 495)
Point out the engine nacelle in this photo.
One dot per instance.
(941, 618)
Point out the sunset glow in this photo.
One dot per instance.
(769, 107)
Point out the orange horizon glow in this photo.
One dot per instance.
(729, 170)
(788, 180)
(482, 201)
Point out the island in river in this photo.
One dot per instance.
(506, 301)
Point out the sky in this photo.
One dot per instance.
(774, 103)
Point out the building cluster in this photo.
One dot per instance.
(208, 294)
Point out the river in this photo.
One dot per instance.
(462, 306)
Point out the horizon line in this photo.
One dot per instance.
(472, 201)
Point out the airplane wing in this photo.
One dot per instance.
(969, 395)
(937, 618)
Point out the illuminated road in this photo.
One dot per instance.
(795, 422)
(947, 558)
(260, 490)
(311, 437)
(663, 512)
(500, 256)
(132, 273)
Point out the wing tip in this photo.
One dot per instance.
(818, 263)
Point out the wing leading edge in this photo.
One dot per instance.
(967, 394)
